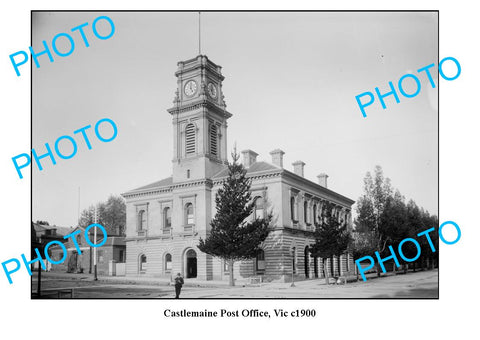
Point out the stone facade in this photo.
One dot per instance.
(166, 219)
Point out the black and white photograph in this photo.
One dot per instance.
(222, 170)
(235, 155)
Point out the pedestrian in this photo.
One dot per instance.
(178, 285)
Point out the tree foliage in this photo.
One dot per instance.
(370, 208)
(383, 219)
(111, 214)
(331, 236)
(42, 222)
(233, 235)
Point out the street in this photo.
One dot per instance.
(422, 284)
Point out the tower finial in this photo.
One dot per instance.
(199, 35)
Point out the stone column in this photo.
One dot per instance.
(335, 266)
(343, 264)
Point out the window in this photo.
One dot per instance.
(167, 218)
(213, 140)
(190, 139)
(293, 210)
(143, 263)
(315, 214)
(121, 256)
(188, 173)
(226, 268)
(142, 220)
(258, 209)
(305, 211)
(260, 261)
(189, 217)
(168, 262)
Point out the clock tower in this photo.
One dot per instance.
(199, 121)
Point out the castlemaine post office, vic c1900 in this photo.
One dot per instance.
(166, 219)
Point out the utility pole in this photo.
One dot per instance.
(39, 282)
(95, 248)
(78, 207)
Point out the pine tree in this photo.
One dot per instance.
(331, 237)
(234, 236)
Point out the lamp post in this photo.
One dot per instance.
(95, 248)
(293, 268)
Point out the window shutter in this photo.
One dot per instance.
(190, 139)
(213, 140)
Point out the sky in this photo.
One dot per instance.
(290, 83)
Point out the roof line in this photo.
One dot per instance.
(326, 190)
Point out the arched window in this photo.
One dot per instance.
(260, 261)
(190, 139)
(168, 263)
(213, 140)
(293, 212)
(258, 210)
(142, 220)
(167, 218)
(189, 216)
(143, 263)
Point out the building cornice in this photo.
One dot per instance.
(307, 233)
(146, 192)
(307, 182)
(256, 175)
(155, 191)
(193, 235)
(199, 104)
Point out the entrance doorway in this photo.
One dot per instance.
(72, 262)
(315, 266)
(191, 268)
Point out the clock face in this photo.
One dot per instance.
(190, 88)
(212, 90)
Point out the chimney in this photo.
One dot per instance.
(322, 180)
(298, 168)
(277, 157)
(249, 157)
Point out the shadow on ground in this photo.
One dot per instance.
(416, 293)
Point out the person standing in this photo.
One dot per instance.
(178, 285)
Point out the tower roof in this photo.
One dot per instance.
(199, 62)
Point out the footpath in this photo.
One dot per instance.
(165, 281)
